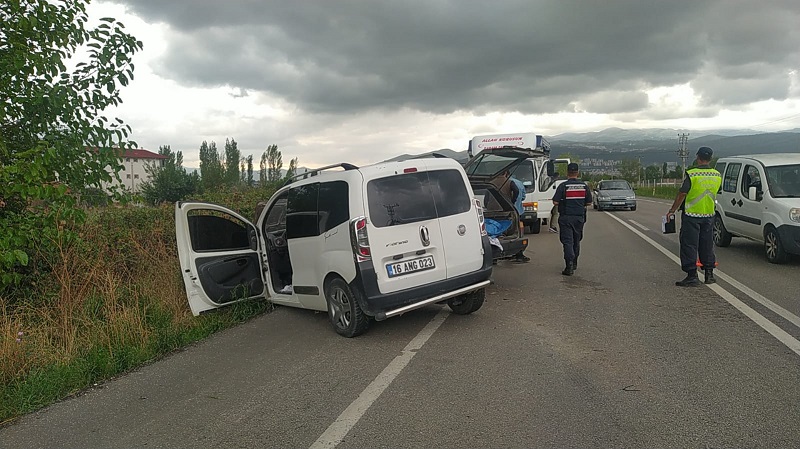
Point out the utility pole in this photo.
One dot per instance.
(683, 152)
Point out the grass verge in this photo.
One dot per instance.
(106, 303)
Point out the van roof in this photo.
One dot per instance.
(769, 159)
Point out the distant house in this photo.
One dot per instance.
(133, 173)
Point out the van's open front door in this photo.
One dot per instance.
(220, 256)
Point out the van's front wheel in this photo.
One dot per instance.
(774, 246)
(344, 312)
(467, 303)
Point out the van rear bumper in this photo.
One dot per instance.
(382, 306)
(790, 236)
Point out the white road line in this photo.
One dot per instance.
(653, 201)
(353, 413)
(781, 335)
(639, 225)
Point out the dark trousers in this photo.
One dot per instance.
(697, 236)
(571, 233)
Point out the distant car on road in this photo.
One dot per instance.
(614, 194)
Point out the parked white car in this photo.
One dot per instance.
(760, 200)
(359, 243)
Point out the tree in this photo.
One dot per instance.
(262, 175)
(249, 179)
(169, 181)
(55, 141)
(231, 162)
(629, 169)
(652, 172)
(211, 170)
(664, 170)
(274, 163)
(292, 170)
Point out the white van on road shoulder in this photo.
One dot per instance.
(760, 200)
(359, 243)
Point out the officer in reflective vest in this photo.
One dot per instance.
(696, 197)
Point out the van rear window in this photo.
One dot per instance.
(418, 196)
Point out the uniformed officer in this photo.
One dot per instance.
(572, 197)
(696, 197)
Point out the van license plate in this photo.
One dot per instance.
(410, 266)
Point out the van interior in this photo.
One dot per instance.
(277, 250)
(495, 207)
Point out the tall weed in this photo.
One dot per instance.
(106, 303)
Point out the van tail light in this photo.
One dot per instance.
(481, 221)
(410, 170)
(360, 239)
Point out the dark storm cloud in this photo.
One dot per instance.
(443, 56)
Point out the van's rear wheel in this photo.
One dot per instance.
(535, 227)
(344, 312)
(468, 303)
(774, 246)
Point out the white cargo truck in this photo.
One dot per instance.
(537, 173)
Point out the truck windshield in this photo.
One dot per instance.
(784, 181)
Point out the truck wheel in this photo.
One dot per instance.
(633, 208)
(468, 303)
(722, 237)
(774, 246)
(344, 312)
(536, 227)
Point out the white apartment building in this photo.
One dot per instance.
(133, 173)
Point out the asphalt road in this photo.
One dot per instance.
(615, 356)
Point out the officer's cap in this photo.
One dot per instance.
(705, 153)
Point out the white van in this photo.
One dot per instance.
(760, 200)
(537, 173)
(359, 243)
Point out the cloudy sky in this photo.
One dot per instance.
(361, 81)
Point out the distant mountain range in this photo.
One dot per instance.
(655, 145)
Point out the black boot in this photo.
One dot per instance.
(690, 280)
(710, 279)
(568, 270)
(575, 264)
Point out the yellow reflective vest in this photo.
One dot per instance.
(705, 185)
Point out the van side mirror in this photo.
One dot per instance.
(754, 194)
(551, 168)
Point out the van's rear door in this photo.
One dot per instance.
(458, 217)
(404, 233)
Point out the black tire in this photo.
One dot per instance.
(722, 237)
(633, 208)
(773, 246)
(468, 303)
(345, 314)
(536, 227)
